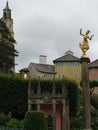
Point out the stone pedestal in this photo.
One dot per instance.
(64, 117)
(86, 94)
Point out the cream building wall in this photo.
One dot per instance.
(34, 73)
(70, 72)
(68, 66)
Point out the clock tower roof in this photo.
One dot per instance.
(7, 6)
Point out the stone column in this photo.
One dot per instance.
(38, 94)
(29, 105)
(38, 105)
(86, 94)
(29, 95)
(64, 116)
(54, 115)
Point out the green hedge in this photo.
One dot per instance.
(13, 94)
(76, 123)
(15, 123)
(9, 128)
(35, 120)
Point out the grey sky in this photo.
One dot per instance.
(51, 27)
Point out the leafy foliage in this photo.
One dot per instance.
(50, 121)
(13, 94)
(76, 123)
(35, 120)
(3, 119)
(7, 49)
(94, 100)
(71, 90)
(15, 123)
(93, 83)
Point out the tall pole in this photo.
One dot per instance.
(86, 94)
(85, 80)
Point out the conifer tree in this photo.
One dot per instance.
(7, 49)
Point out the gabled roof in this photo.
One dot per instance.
(24, 70)
(68, 57)
(45, 68)
(94, 64)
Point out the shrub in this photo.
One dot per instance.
(50, 121)
(15, 100)
(3, 119)
(76, 123)
(35, 120)
(94, 100)
(15, 123)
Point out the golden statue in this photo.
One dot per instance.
(84, 45)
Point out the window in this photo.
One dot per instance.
(59, 76)
(25, 76)
(93, 70)
(69, 64)
(48, 76)
(76, 76)
(72, 64)
(96, 91)
(59, 64)
(76, 63)
(97, 79)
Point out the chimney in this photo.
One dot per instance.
(42, 59)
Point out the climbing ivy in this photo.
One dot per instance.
(13, 93)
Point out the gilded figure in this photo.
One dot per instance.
(84, 45)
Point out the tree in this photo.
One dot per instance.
(7, 49)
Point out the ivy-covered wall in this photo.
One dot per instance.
(13, 94)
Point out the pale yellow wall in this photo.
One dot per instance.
(70, 72)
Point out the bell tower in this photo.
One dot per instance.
(7, 19)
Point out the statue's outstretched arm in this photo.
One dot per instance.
(90, 38)
(81, 32)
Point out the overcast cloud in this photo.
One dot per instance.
(51, 27)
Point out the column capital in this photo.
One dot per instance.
(53, 101)
(84, 59)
